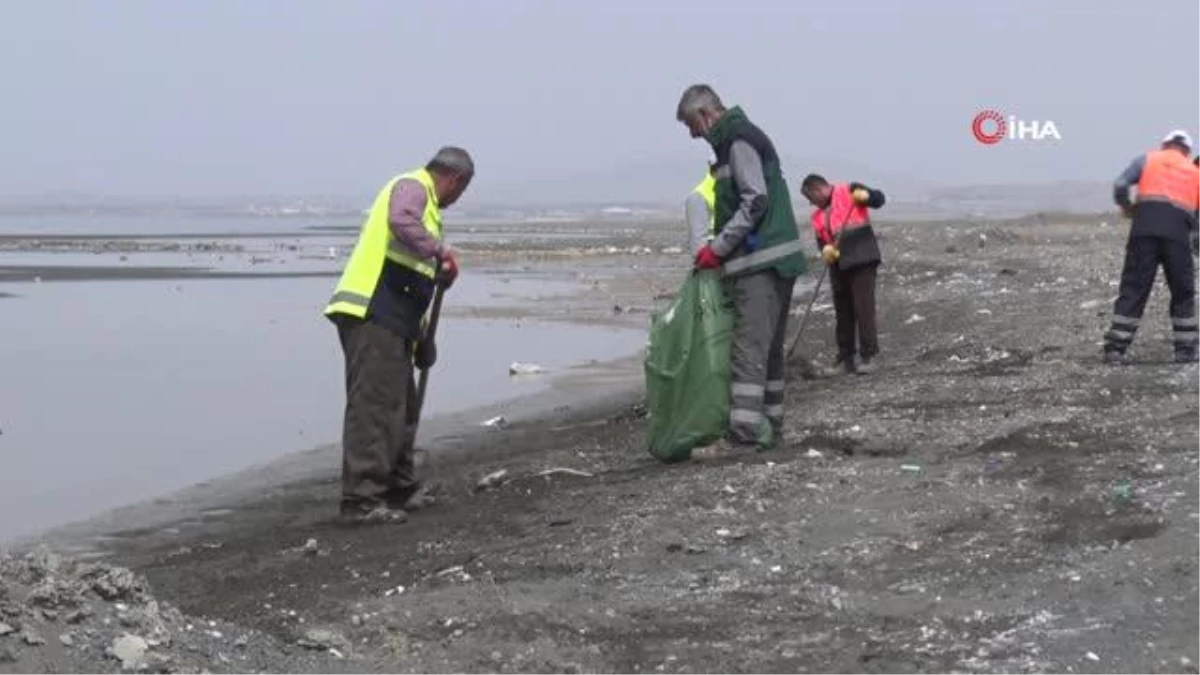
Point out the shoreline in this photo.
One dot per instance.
(581, 395)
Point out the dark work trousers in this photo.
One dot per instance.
(854, 304)
(1143, 255)
(761, 302)
(377, 439)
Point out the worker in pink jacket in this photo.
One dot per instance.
(842, 226)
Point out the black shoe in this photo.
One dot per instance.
(845, 363)
(411, 499)
(1186, 355)
(1114, 357)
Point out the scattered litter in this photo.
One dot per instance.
(814, 453)
(321, 639)
(5, 629)
(994, 464)
(911, 468)
(732, 535)
(1090, 304)
(569, 472)
(1092, 656)
(130, 650)
(525, 369)
(31, 638)
(915, 318)
(66, 640)
(398, 590)
(310, 547)
(1124, 491)
(672, 250)
(984, 311)
(493, 479)
(498, 422)
(449, 570)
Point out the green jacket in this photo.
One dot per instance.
(773, 241)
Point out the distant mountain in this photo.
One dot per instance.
(1008, 199)
(666, 182)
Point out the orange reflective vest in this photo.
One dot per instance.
(841, 212)
(1171, 177)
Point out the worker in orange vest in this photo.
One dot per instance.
(842, 227)
(1165, 221)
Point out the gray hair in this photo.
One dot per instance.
(451, 160)
(696, 98)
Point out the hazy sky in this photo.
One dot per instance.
(209, 97)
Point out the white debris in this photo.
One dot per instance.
(1091, 656)
(130, 650)
(565, 470)
(814, 453)
(310, 547)
(498, 422)
(518, 368)
(915, 318)
(493, 479)
(399, 590)
(1090, 304)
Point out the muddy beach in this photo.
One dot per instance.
(992, 500)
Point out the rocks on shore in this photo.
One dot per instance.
(60, 614)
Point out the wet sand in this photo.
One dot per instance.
(993, 500)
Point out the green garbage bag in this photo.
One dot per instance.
(687, 368)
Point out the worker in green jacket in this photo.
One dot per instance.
(757, 247)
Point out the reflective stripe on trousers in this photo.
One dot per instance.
(773, 402)
(747, 403)
(1186, 333)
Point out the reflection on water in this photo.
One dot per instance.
(117, 391)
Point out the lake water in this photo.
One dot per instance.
(116, 391)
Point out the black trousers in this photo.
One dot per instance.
(377, 433)
(854, 304)
(1143, 256)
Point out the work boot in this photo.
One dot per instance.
(1115, 357)
(1186, 355)
(371, 513)
(411, 499)
(722, 449)
(845, 363)
(866, 365)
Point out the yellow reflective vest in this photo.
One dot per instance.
(707, 190)
(354, 290)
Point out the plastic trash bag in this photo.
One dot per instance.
(687, 368)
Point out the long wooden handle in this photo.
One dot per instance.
(430, 331)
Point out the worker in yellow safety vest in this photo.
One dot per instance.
(698, 210)
(379, 308)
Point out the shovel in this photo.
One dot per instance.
(837, 241)
(430, 332)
